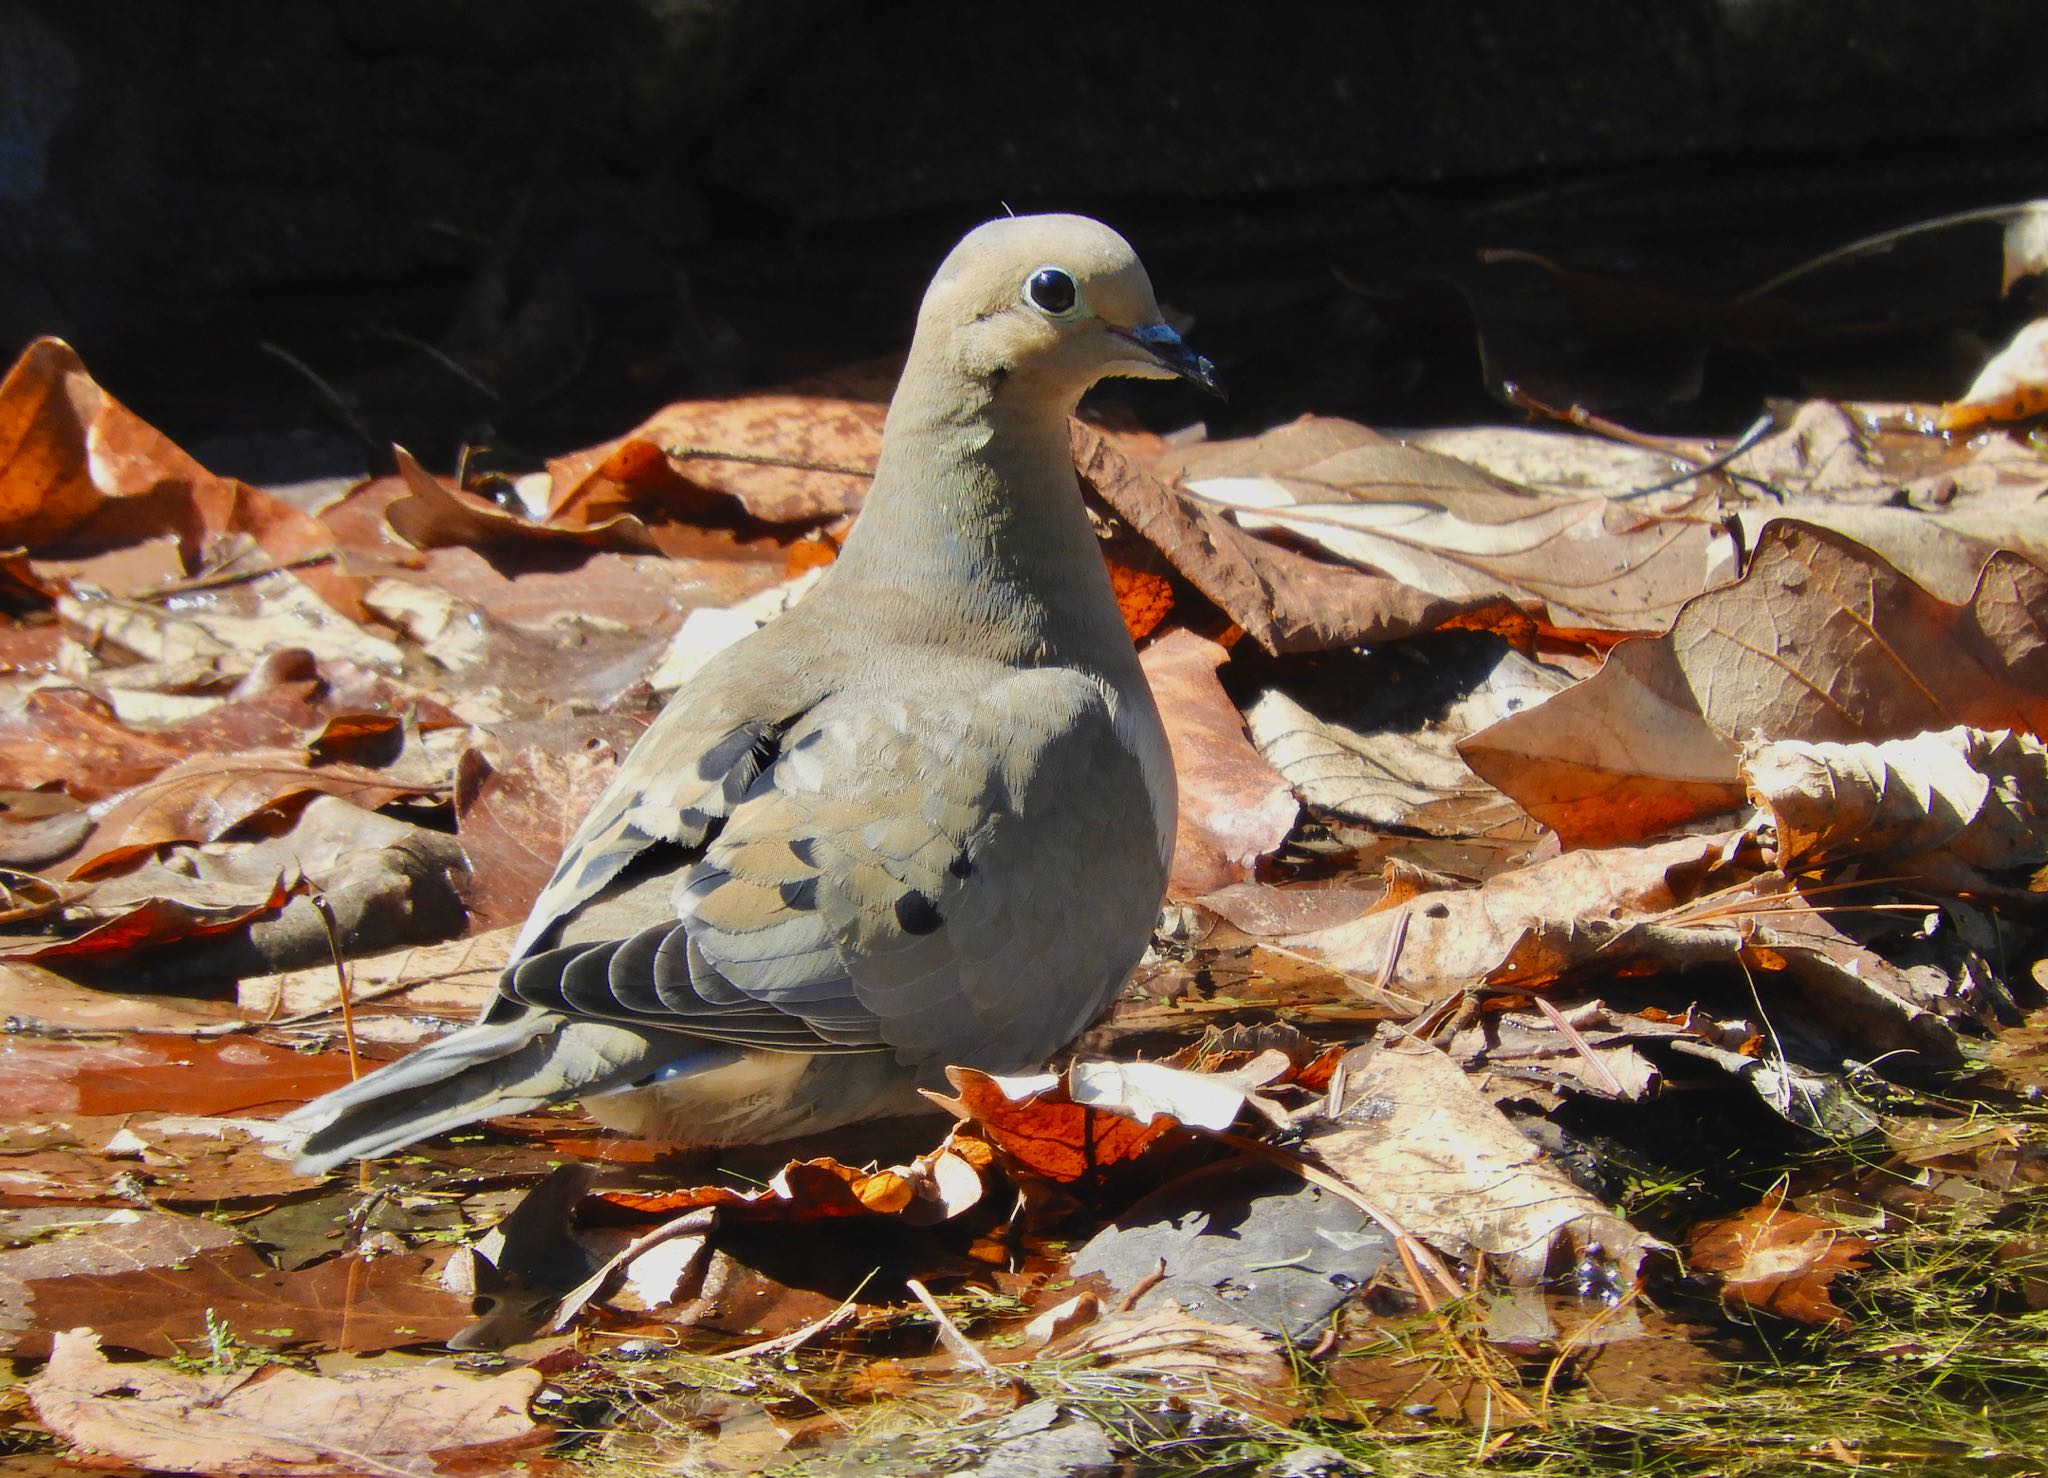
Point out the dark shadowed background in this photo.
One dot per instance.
(292, 231)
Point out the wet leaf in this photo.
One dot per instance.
(344, 1303)
(276, 1420)
(149, 1073)
(1778, 1261)
(106, 1242)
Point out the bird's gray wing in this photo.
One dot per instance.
(963, 877)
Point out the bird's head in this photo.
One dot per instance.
(1046, 306)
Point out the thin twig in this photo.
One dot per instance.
(1883, 240)
(221, 578)
(762, 459)
(961, 1347)
(1581, 1046)
(1761, 427)
(1585, 420)
(333, 399)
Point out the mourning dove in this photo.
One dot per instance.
(921, 819)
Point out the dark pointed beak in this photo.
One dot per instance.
(1170, 351)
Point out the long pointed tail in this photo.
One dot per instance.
(501, 1068)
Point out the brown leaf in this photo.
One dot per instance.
(520, 792)
(151, 1239)
(1040, 1129)
(69, 737)
(1288, 602)
(164, 1074)
(343, 1304)
(206, 799)
(276, 1420)
(937, 1185)
(2011, 387)
(1820, 640)
(1399, 765)
(51, 413)
(650, 462)
(1453, 532)
(1240, 1364)
(1973, 798)
(1234, 807)
(1778, 1261)
(432, 514)
(159, 921)
(76, 464)
(1443, 940)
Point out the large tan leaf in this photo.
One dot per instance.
(1820, 640)
(1429, 1149)
(1452, 531)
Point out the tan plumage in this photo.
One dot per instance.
(921, 819)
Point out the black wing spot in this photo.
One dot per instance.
(803, 893)
(961, 866)
(917, 914)
(755, 741)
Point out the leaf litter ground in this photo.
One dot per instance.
(1595, 1026)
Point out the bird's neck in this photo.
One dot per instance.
(975, 520)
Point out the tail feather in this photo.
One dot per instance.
(476, 1073)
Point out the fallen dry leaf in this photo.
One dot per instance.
(1450, 530)
(677, 447)
(1777, 1261)
(210, 798)
(1979, 798)
(75, 463)
(1286, 601)
(1430, 1150)
(275, 1420)
(2012, 386)
(1820, 640)
(432, 514)
(1038, 1127)
(1235, 808)
(1390, 766)
(1227, 1359)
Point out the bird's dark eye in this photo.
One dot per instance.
(1052, 291)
